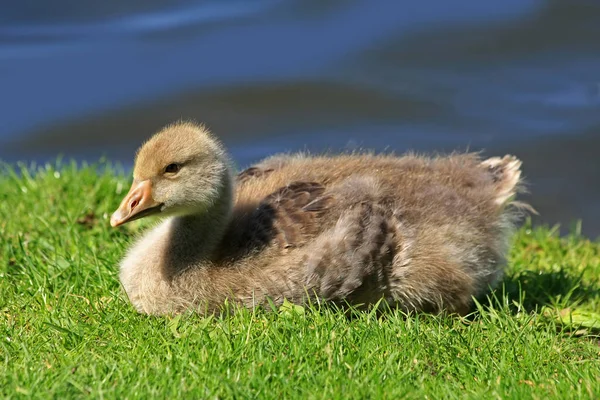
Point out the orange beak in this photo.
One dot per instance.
(137, 204)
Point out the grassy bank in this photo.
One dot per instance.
(66, 330)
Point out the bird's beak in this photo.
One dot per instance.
(137, 203)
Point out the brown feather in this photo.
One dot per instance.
(425, 234)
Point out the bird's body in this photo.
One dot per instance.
(422, 233)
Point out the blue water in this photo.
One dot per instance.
(519, 76)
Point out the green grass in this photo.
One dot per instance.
(66, 330)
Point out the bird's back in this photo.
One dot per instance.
(437, 190)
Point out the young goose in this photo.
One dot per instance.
(422, 233)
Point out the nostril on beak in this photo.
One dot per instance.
(133, 204)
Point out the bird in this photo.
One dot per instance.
(418, 233)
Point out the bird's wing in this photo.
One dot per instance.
(287, 218)
(355, 253)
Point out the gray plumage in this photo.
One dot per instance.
(425, 234)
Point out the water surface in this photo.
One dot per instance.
(520, 77)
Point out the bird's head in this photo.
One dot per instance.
(181, 170)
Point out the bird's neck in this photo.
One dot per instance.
(195, 237)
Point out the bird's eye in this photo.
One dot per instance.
(172, 168)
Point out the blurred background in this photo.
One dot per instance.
(87, 79)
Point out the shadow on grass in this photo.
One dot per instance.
(529, 291)
(536, 289)
(556, 295)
